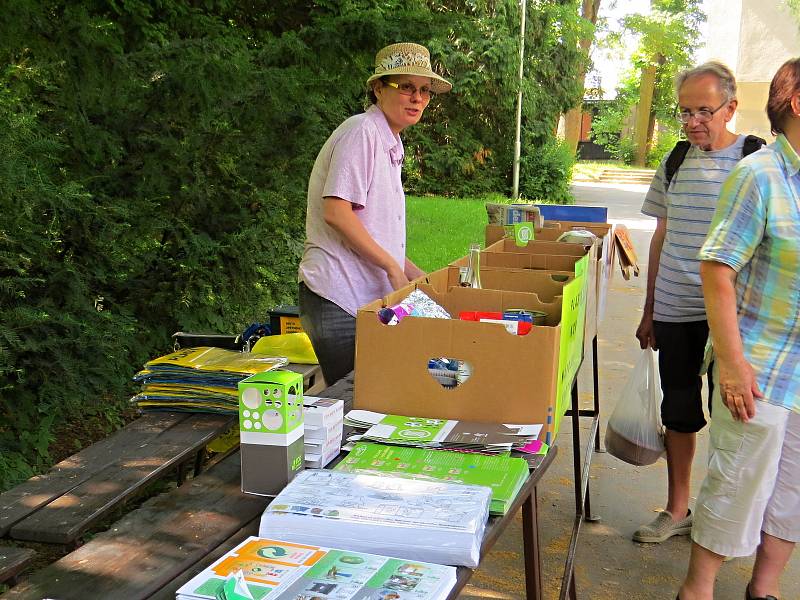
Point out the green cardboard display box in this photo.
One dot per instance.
(270, 430)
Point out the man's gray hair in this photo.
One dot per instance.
(727, 81)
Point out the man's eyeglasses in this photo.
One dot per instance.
(409, 89)
(701, 116)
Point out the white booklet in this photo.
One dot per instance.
(280, 570)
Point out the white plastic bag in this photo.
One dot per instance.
(635, 433)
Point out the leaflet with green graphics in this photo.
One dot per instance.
(441, 433)
(268, 569)
(341, 574)
(503, 474)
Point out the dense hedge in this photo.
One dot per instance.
(155, 158)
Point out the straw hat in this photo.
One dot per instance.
(408, 59)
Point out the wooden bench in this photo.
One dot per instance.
(153, 545)
(79, 492)
(12, 562)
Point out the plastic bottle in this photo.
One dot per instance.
(473, 275)
(392, 315)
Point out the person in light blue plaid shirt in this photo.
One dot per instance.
(750, 499)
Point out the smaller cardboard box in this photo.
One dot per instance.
(285, 319)
(270, 430)
(549, 248)
(519, 260)
(606, 253)
(547, 285)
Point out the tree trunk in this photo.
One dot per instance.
(640, 134)
(572, 119)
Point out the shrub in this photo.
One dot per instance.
(545, 172)
(155, 165)
(664, 144)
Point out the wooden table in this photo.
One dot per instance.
(153, 550)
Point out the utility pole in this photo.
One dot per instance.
(517, 139)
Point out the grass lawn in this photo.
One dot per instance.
(440, 230)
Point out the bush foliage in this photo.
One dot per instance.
(156, 154)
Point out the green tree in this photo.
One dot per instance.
(156, 157)
(668, 38)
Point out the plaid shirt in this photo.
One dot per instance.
(756, 232)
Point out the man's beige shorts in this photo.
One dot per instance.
(753, 480)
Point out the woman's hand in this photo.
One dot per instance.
(397, 279)
(738, 388)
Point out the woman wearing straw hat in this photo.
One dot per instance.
(355, 249)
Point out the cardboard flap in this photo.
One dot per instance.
(545, 284)
(627, 255)
(536, 247)
(514, 260)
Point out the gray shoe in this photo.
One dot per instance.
(662, 528)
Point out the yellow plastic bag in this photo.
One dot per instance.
(294, 346)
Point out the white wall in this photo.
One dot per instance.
(754, 38)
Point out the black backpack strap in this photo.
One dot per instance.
(751, 144)
(674, 160)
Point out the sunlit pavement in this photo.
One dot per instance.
(609, 565)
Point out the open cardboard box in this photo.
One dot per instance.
(606, 250)
(514, 379)
(508, 247)
(547, 285)
(509, 260)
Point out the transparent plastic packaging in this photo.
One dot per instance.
(431, 521)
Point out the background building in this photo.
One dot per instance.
(754, 38)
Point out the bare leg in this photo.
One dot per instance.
(771, 558)
(680, 453)
(703, 568)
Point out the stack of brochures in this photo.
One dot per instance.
(323, 430)
(466, 436)
(432, 521)
(270, 569)
(504, 475)
(201, 379)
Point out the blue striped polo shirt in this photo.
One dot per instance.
(688, 206)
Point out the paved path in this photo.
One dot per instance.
(609, 565)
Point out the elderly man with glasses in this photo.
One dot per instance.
(674, 320)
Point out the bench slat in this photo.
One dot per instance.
(13, 561)
(26, 498)
(64, 519)
(168, 591)
(152, 545)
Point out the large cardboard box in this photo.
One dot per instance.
(514, 379)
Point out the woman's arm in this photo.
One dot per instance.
(338, 213)
(412, 271)
(737, 381)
